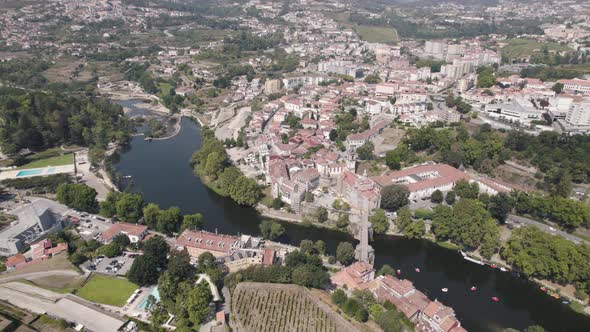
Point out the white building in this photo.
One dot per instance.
(517, 111)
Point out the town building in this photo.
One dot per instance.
(518, 111)
(35, 220)
(576, 85)
(423, 180)
(198, 242)
(355, 276)
(134, 232)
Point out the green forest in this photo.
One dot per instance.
(38, 120)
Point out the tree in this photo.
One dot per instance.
(146, 268)
(437, 197)
(227, 179)
(271, 230)
(394, 197)
(110, 250)
(339, 297)
(465, 189)
(404, 218)
(557, 88)
(197, 303)
(485, 77)
(379, 221)
(122, 240)
(129, 207)
(450, 197)
(77, 196)
(386, 270)
(142, 272)
(308, 197)
(206, 261)
(415, 230)
(246, 191)
(193, 222)
(534, 328)
(361, 315)
(372, 79)
(333, 135)
(499, 206)
(365, 152)
(343, 221)
(345, 253)
(179, 264)
(157, 249)
(150, 215)
(169, 220)
(307, 247)
(214, 164)
(321, 214)
(107, 207)
(320, 247)
(96, 156)
(490, 241)
(393, 159)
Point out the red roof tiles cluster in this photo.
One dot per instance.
(208, 241)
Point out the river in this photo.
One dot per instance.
(161, 172)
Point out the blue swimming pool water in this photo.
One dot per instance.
(29, 172)
(155, 293)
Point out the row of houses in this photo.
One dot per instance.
(428, 315)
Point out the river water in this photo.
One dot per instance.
(161, 172)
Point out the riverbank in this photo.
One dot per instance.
(566, 292)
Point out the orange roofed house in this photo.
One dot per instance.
(429, 316)
(134, 232)
(199, 242)
(423, 180)
(355, 276)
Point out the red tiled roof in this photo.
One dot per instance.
(268, 257)
(208, 241)
(446, 174)
(118, 228)
(15, 260)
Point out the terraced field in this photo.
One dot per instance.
(276, 307)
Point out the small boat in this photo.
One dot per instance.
(493, 266)
(565, 302)
(495, 299)
(444, 290)
(398, 272)
(503, 269)
(417, 270)
(554, 295)
(543, 289)
(473, 288)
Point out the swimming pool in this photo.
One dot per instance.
(155, 293)
(29, 172)
(35, 171)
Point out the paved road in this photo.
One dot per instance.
(516, 220)
(35, 275)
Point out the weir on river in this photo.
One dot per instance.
(161, 171)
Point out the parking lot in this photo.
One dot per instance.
(119, 265)
(89, 225)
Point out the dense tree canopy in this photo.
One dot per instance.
(212, 162)
(547, 256)
(467, 223)
(394, 197)
(77, 196)
(39, 120)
